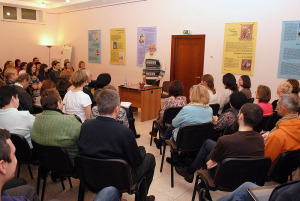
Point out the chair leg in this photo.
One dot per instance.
(38, 181)
(195, 187)
(70, 182)
(81, 191)
(172, 173)
(19, 167)
(30, 172)
(44, 187)
(62, 183)
(163, 158)
(152, 134)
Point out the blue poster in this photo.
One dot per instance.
(145, 37)
(94, 46)
(289, 58)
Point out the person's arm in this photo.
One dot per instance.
(225, 120)
(210, 164)
(166, 106)
(122, 118)
(223, 99)
(87, 111)
(132, 152)
(219, 152)
(162, 68)
(179, 119)
(272, 146)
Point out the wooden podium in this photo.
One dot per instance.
(148, 99)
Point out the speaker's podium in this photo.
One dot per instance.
(148, 99)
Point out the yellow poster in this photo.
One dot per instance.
(117, 46)
(239, 48)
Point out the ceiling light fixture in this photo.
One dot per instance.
(43, 5)
(68, 1)
(8, 13)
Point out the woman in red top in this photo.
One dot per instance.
(263, 94)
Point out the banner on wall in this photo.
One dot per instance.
(289, 58)
(94, 46)
(117, 46)
(239, 48)
(145, 37)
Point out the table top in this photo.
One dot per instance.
(137, 87)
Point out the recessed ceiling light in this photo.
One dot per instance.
(43, 5)
(68, 1)
(8, 13)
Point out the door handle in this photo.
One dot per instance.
(198, 77)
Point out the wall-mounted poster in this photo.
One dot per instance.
(289, 58)
(145, 37)
(239, 48)
(94, 46)
(117, 46)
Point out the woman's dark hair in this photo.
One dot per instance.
(42, 69)
(210, 82)
(49, 99)
(103, 79)
(16, 62)
(47, 84)
(230, 82)
(23, 64)
(246, 81)
(295, 85)
(264, 93)
(29, 67)
(176, 88)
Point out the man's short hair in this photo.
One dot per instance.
(253, 114)
(9, 72)
(7, 92)
(290, 101)
(78, 78)
(34, 59)
(50, 99)
(4, 147)
(107, 101)
(22, 77)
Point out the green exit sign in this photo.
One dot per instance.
(186, 31)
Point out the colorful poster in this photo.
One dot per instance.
(289, 58)
(239, 48)
(145, 37)
(94, 46)
(117, 46)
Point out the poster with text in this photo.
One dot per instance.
(117, 46)
(145, 37)
(289, 58)
(94, 46)
(239, 48)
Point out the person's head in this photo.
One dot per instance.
(17, 62)
(9, 97)
(199, 94)
(10, 74)
(66, 60)
(103, 79)
(8, 160)
(176, 88)
(288, 104)
(43, 69)
(251, 114)
(152, 49)
(56, 65)
(229, 82)
(263, 94)
(23, 66)
(8, 64)
(50, 100)
(81, 65)
(53, 63)
(108, 102)
(68, 65)
(237, 100)
(38, 65)
(24, 80)
(47, 84)
(79, 78)
(208, 81)
(284, 87)
(65, 75)
(245, 82)
(35, 59)
(111, 87)
(295, 85)
(31, 69)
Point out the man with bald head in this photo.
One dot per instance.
(154, 67)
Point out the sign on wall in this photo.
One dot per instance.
(94, 46)
(145, 37)
(117, 46)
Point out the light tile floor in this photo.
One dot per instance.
(160, 187)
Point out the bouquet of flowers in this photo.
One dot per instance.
(142, 84)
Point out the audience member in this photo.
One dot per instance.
(17, 65)
(263, 94)
(38, 67)
(245, 143)
(64, 83)
(46, 84)
(43, 73)
(81, 65)
(245, 85)
(10, 76)
(35, 84)
(52, 127)
(208, 81)
(230, 85)
(35, 59)
(76, 101)
(68, 67)
(17, 122)
(283, 88)
(295, 85)
(8, 64)
(55, 72)
(23, 67)
(103, 80)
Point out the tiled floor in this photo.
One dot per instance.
(160, 187)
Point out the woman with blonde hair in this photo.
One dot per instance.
(283, 88)
(208, 81)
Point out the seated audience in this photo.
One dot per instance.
(17, 65)
(10, 76)
(245, 143)
(263, 94)
(283, 88)
(64, 83)
(104, 138)
(35, 84)
(55, 72)
(230, 85)
(68, 67)
(23, 67)
(26, 101)
(103, 80)
(46, 84)
(52, 127)
(286, 136)
(17, 122)
(8, 64)
(295, 85)
(81, 65)
(245, 85)
(43, 73)
(35, 59)
(76, 101)
(38, 67)
(208, 81)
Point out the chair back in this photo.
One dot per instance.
(285, 164)
(23, 151)
(215, 108)
(232, 172)
(170, 114)
(226, 107)
(100, 173)
(272, 122)
(263, 124)
(190, 137)
(165, 88)
(55, 159)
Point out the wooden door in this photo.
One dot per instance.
(187, 59)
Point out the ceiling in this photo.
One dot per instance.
(60, 6)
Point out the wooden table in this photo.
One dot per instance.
(148, 99)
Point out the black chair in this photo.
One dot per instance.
(263, 124)
(190, 138)
(97, 174)
(55, 160)
(23, 152)
(165, 88)
(284, 165)
(232, 172)
(215, 108)
(226, 107)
